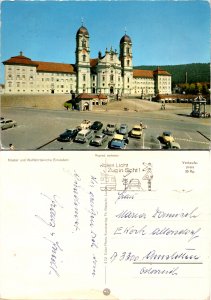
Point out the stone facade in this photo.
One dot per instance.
(111, 73)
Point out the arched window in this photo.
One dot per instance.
(84, 57)
(84, 43)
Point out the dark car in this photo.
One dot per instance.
(68, 135)
(97, 125)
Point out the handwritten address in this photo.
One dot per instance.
(55, 247)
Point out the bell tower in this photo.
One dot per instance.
(126, 64)
(82, 54)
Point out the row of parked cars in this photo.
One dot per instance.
(96, 135)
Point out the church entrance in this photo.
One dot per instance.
(86, 106)
(111, 90)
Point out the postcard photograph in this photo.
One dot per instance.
(96, 75)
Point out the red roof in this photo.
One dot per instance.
(102, 96)
(143, 73)
(54, 67)
(19, 60)
(149, 73)
(175, 96)
(159, 71)
(86, 96)
(93, 62)
(41, 66)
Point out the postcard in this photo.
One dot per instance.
(105, 150)
(105, 225)
(134, 68)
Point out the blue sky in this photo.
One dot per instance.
(162, 32)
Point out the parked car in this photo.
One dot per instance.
(99, 139)
(68, 135)
(85, 124)
(172, 145)
(7, 123)
(97, 125)
(110, 129)
(167, 137)
(118, 142)
(136, 131)
(123, 129)
(85, 135)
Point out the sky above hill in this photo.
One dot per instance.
(162, 32)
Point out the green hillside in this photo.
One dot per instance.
(197, 72)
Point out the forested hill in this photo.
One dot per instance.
(197, 72)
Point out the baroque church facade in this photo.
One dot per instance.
(111, 73)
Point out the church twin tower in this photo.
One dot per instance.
(107, 74)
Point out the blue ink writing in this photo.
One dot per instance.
(76, 200)
(55, 247)
(52, 211)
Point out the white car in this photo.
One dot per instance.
(85, 124)
(7, 123)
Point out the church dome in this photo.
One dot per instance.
(126, 39)
(82, 30)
